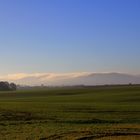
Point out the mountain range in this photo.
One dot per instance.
(76, 79)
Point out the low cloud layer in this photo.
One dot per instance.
(41, 78)
(79, 78)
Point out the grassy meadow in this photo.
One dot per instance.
(72, 113)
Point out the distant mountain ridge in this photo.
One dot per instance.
(81, 79)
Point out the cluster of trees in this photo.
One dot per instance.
(5, 86)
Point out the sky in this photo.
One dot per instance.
(66, 36)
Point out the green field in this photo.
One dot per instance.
(80, 113)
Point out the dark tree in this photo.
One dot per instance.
(13, 86)
(5, 86)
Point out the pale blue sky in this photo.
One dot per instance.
(69, 36)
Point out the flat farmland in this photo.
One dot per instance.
(71, 113)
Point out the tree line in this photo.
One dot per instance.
(6, 86)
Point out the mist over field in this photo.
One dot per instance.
(81, 78)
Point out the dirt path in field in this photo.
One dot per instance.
(129, 137)
(69, 135)
(87, 135)
(108, 136)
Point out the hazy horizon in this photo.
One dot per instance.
(68, 79)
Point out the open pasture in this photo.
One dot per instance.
(71, 113)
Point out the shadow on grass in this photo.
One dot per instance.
(99, 121)
(17, 116)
